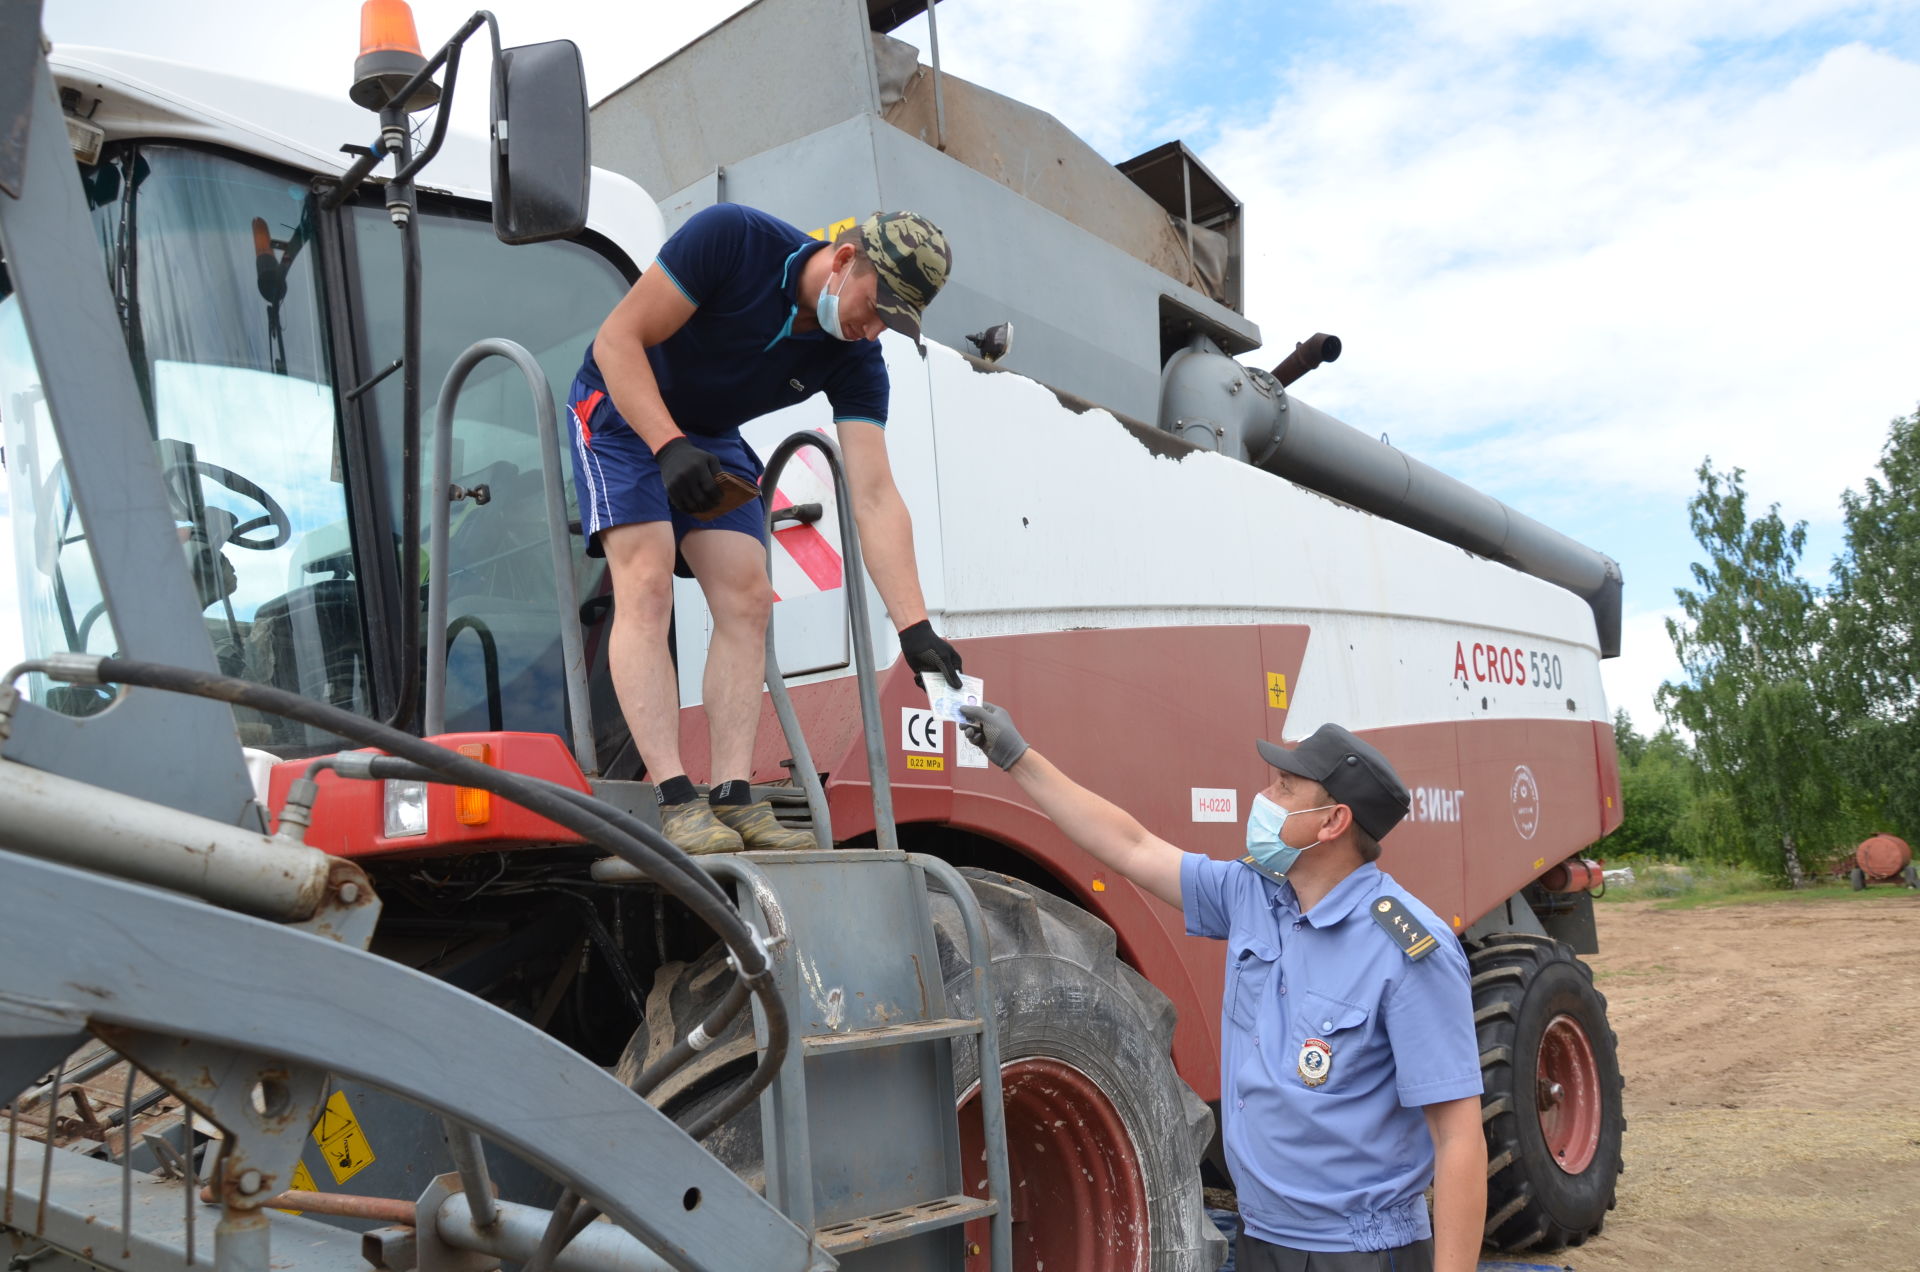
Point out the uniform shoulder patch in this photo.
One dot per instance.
(1414, 941)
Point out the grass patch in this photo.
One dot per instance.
(1823, 892)
(1689, 885)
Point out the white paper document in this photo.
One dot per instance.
(946, 702)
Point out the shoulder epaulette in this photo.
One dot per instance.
(1414, 941)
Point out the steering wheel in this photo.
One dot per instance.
(272, 515)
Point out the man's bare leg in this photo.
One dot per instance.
(732, 569)
(640, 560)
(640, 563)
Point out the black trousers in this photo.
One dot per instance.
(1250, 1254)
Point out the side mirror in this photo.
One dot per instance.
(541, 152)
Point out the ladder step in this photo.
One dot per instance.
(890, 1035)
(907, 1221)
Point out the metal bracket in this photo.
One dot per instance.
(350, 909)
(265, 1105)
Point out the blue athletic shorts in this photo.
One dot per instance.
(618, 482)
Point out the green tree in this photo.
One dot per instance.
(1749, 649)
(1656, 793)
(1872, 655)
(1626, 741)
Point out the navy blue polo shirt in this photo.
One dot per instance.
(739, 357)
(1341, 1161)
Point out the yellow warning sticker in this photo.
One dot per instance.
(935, 762)
(1277, 690)
(832, 232)
(303, 1181)
(341, 1140)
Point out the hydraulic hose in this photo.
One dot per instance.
(619, 818)
(406, 770)
(646, 849)
(702, 1036)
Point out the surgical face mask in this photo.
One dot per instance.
(826, 308)
(1266, 851)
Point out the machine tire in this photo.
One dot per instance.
(1065, 1004)
(1857, 878)
(1537, 1014)
(1910, 876)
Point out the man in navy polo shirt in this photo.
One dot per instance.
(740, 315)
(1350, 1074)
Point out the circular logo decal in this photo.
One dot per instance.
(1316, 1061)
(1525, 794)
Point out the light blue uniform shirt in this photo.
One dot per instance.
(1343, 1165)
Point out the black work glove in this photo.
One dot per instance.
(691, 475)
(991, 729)
(925, 651)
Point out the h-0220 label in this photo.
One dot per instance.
(1505, 665)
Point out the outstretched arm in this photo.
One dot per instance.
(886, 528)
(1459, 1183)
(886, 542)
(1106, 831)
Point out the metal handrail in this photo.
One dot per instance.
(993, 1112)
(572, 651)
(853, 584)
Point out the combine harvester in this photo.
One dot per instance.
(412, 994)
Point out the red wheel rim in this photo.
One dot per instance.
(1567, 1093)
(1079, 1194)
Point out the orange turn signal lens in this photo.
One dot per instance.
(262, 237)
(471, 806)
(387, 26)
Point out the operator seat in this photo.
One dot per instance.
(308, 642)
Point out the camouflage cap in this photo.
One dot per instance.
(912, 258)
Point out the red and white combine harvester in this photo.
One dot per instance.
(1153, 552)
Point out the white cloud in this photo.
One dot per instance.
(1600, 278)
(1097, 65)
(1646, 659)
(1635, 28)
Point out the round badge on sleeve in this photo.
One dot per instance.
(1316, 1062)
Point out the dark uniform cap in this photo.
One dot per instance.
(912, 258)
(1353, 772)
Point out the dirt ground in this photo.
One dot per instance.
(1772, 1060)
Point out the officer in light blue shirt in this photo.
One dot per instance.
(1350, 1075)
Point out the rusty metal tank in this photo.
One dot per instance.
(1883, 857)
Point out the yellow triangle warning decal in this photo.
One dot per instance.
(341, 1140)
(303, 1181)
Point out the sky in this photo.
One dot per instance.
(1573, 248)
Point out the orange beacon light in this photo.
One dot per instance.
(389, 57)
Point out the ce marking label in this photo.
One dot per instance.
(920, 730)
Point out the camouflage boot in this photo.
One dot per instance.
(695, 830)
(762, 832)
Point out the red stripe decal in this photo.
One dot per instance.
(583, 411)
(813, 554)
(809, 549)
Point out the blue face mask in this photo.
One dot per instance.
(826, 309)
(1266, 852)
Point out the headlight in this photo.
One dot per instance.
(406, 808)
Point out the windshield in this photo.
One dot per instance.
(212, 263)
(211, 269)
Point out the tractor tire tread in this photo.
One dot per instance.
(1522, 1215)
